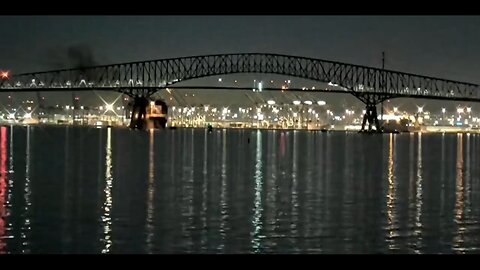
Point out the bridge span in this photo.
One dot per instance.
(143, 78)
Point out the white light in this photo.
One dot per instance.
(28, 115)
(296, 102)
(81, 107)
(271, 102)
(109, 107)
(11, 115)
(288, 81)
(101, 107)
(294, 114)
(420, 109)
(321, 102)
(469, 110)
(395, 109)
(260, 86)
(225, 111)
(219, 79)
(443, 110)
(152, 103)
(460, 110)
(67, 107)
(308, 102)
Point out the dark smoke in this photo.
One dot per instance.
(81, 56)
(74, 56)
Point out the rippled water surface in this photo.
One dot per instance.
(87, 190)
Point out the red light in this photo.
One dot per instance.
(4, 74)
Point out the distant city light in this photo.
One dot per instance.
(271, 102)
(220, 79)
(308, 102)
(4, 74)
(296, 102)
(321, 102)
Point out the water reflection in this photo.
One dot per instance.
(418, 198)
(223, 192)
(458, 239)
(257, 204)
(150, 191)
(193, 191)
(107, 205)
(26, 228)
(391, 196)
(3, 190)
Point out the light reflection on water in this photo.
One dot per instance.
(236, 191)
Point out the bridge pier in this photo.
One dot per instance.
(371, 117)
(138, 119)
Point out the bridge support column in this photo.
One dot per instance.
(139, 113)
(371, 100)
(371, 117)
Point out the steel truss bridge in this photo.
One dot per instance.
(142, 79)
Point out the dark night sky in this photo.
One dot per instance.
(441, 46)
